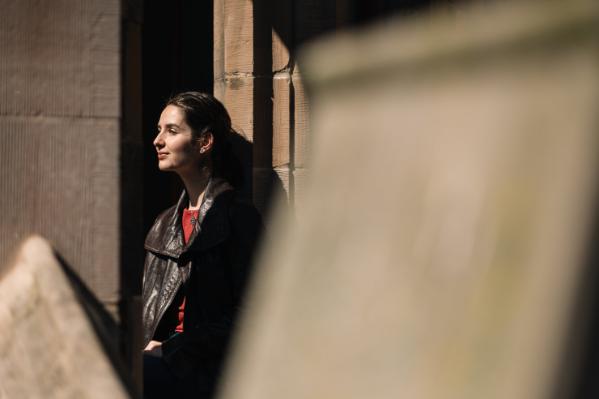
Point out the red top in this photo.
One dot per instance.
(189, 220)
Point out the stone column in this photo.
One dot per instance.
(257, 78)
(60, 115)
(242, 81)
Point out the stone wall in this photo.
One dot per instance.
(60, 115)
(258, 80)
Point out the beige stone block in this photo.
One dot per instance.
(47, 69)
(219, 39)
(48, 346)
(249, 103)
(238, 98)
(301, 122)
(281, 121)
(444, 232)
(238, 36)
(219, 89)
(60, 180)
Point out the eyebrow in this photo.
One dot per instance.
(168, 125)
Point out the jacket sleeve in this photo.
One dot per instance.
(210, 340)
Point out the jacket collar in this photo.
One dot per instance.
(166, 235)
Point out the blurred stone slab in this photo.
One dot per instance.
(441, 241)
(48, 347)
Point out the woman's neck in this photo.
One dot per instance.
(195, 185)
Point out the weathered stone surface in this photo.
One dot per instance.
(238, 27)
(48, 68)
(301, 121)
(440, 246)
(218, 42)
(60, 109)
(242, 38)
(59, 178)
(238, 94)
(48, 346)
(252, 70)
(281, 119)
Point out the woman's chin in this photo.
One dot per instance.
(165, 167)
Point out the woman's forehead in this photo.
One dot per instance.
(172, 115)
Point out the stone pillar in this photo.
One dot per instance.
(244, 84)
(443, 239)
(257, 78)
(60, 123)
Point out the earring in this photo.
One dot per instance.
(201, 150)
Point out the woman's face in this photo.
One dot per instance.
(177, 151)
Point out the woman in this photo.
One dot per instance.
(198, 252)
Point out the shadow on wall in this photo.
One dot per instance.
(269, 193)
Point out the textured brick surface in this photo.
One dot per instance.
(48, 346)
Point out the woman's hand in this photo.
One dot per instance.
(154, 348)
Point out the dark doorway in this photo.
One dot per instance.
(177, 56)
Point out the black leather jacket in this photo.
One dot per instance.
(212, 269)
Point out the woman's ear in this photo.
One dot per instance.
(206, 142)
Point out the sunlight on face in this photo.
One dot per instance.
(177, 151)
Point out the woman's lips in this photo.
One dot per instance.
(162, 155)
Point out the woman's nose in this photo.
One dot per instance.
(158, 141)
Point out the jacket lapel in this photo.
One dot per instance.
(166, 235)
